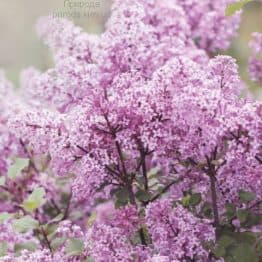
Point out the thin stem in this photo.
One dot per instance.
(131, 194)
(175, 232)
(83, 149)
(255, 204)
(121, 157)
(142, 236)
(66, 213)
(211, 172)
(29, 155)
(164, 190)
(58, 210)
(124, 172)
(112, 171)
(130, 189)
(4, 188)
(46, 240)
(214, 203)
(258, 159)
(144, 152)
(126, 178)
(115, 175)
(144, 170)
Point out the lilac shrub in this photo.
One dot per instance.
(137, 145)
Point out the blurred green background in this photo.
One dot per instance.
(20, 47)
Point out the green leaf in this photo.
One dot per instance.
(3, 248)
(35, 200)
(230, 259)
(136, 238)
(56, 219)
(230, 211)
(245, 237)
(122, 197)
(259, 248)
(25, 224)
(195, 199)
(141, 181)
(122, 194)
(120, 203)
(50, 229)
(207, 210)
(2, 181)
(242, 215)
(153, 172)
(253, 219)
(74, 247)
(143, 195)
(226, 241)
(5, 216)
(16, 168)
(30, 245)
(57, 242)
(236, 6)
(89, 259)
(75, 215)
(248, 218)
(244, 253)
(91, 219)
(219, 251)
(191, 200)
(185, 200)
(245, 196)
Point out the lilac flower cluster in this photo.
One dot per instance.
(176, 233)
(255, 64)
(138, 144)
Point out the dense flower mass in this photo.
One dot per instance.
(177, 233)
(255, 63)
(136, 145)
